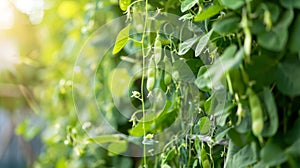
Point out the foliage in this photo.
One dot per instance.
(218, 89)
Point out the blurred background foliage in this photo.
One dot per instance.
(39, 43)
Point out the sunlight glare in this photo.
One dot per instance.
(7, 15)
(33, 8)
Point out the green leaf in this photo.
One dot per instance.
(285, 19)
(222, 113)
(233, 4)
(245, 156)
(119, 80)
(202, 84)
(271, 155)
(166, 119)
(232, 149)
(237, 138)
(102, 139)
(204, 125)
(187, 4)
(228, 60)
(124, 4)
(270, 127)
(287, 77)
(222, 134)
(258, 66)
(165, 166)
(294, 149)
(138, 130)
(208, 13)
(202, 43)
(294, 40)
(276, 39)
(187, 16)
(185, 46)
(26, 130)
(183, 71)
(227, 25)
(117, 148)
(171, 154)
(290, 3)
(121, 40)
(208, 104)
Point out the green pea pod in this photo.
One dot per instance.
(268, 19)
(204, 159)
(151, 68)
(150, 83)
(157, 49)
(151, 76)
(167, 78)
(168, 71)
(256, 113)
(124, 4)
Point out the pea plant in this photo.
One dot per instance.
(244, 61)
(185, 83)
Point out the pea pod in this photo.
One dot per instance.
(204, 159)
(256, 113)
(151, 76)
(157, 49)
(168, 68)
(248, 36)
(167, 78)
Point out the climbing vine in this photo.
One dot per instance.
(189, 83)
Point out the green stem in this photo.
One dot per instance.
(142, 83)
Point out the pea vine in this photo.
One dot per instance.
(247, 47)
(187, 83)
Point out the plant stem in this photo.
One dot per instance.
(142, 83)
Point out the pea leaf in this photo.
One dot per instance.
(228, 60)
(204, 125)
(276, 39)
(121, 40)
(290, 3)
(124, 4)
(287, 77)
(245, 156)
(258, 66)
(271, 155)
(237, 138)
(117, 148)
(187, 16)
(187, 4)
(182, 71)
(207, 13)
(202, 43)
(102, 139)
(138, 130)
(270, 127)
(185, 46)
(227, 25)
(294, 40)
(294, 148)
(286, 19)
(233, 4)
